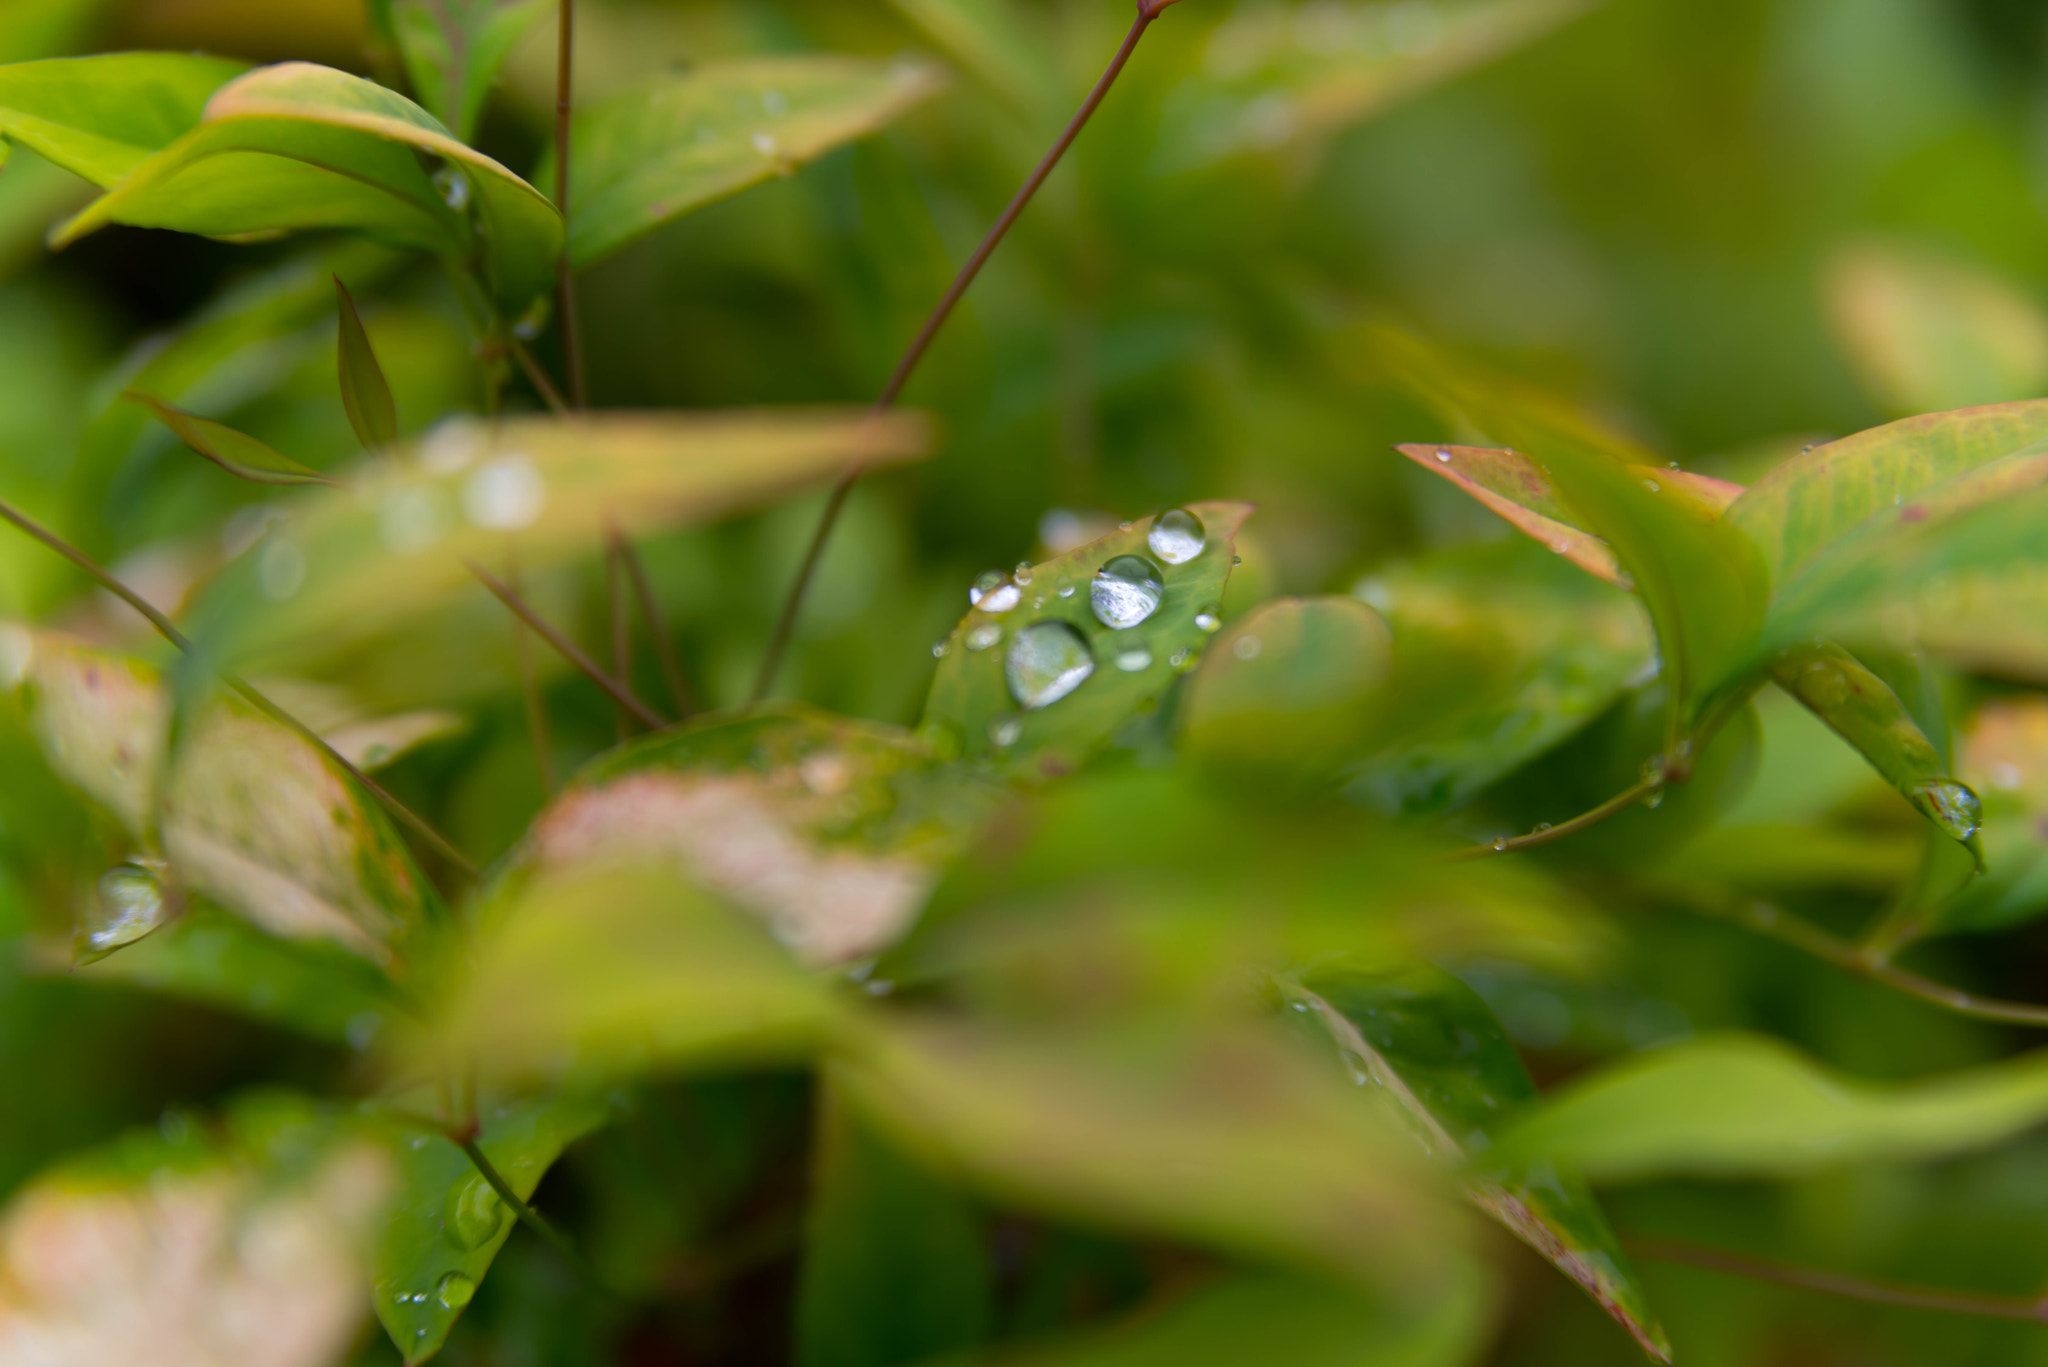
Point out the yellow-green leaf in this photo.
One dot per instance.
(237, 453)
(453, 49)
(100, 117)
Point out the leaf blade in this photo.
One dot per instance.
(365, 393)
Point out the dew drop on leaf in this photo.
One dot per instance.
(1126, 591)
(1443, 455)
(1001, 598)
(986, 583)
(454, 1291)
(472, 1213)
(1134, 661)
(128, 903)
(454, 188)
(1047, 661)
(1177, 536)
(1210, 619)
(1003, 732)
(983, 636)
(1953, 806)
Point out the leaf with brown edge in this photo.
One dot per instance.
(1438, 1059)
(239, 454)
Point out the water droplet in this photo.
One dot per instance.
(1066, 590)
(1236, 560)
(1123, 526)
(1047, 661)
(984, 636)
(472, 1213)
(1037, 600)
(1180, 659)
(764, 143)
(1443, 455)
(454, 188)
(1674, 465)
(1022, 574)
(1541, 827)
(1247, 647)
(1953, 806)
(1126, 591)
(1561, 547)
(506, 495)
(775, 102)
(280, 568)
(1177, 536)
(127, 904)
(1210, 619)
(941, 649)
(419, 1298)
(454, 1291)
(986, 583)
(1003, 732)
(1134, 661)
(1001, 598)
(1500, 844)
(1654, 799)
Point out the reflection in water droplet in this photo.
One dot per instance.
(1180, 659)
(1953, 806)
(1652, 486)
(472, 1213)
(984, 636)
(1066, 590)
(1001, 598)
(454, 1291)
(1134, 661)
(1177, 536)
(984, 583)
(1210, 618)
(1047, 661)
(1247, 647)
(127, 904)
(1126, 591)
(941, 649)
(1004, 731)
(506, 495)
(1022, 574)
(454, 188)
(1443, 455)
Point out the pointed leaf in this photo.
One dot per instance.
(235, 452)
(641, 159)
(299, 146)
(1034, 679)
(99, 117)
(453, 49)
(365, 394)
(1434, 1051)
(1743, 1106)
(447, 1223)
(345, 565)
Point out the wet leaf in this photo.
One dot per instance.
(831, 831)
(2005, 758)
(1288, 686)
(365, 394)
(1743, 1106)
(346, 565)
(1218, 1136)
(1429, 1046)
(1034, 680)
(646, 157)
(447, 1224)
(453, 49)
(1862, 709)
(614, 971)
(298, 146)
(99, 117)
(1929, 332)
(188, 1245)
(896, 1265)
(237, 453)
(373, 743)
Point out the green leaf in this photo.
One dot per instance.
(209, 956)
(1043, 641)
(447, 1224)
(1500, 653)
(2005, 758)
(1290, 685)
(1742, 1106)
(1862, 709)
(1216, 1135)
(612, 971)
(649, 156)
(453, 49)
(100, 117)
(237, 453)
(218, 1238)
(855, 818)
(299, 146)
(365, 394)
(343, 566)
(1433, 1050)
(896, 1265)
(993, 40)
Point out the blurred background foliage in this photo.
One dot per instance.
(1729, 230)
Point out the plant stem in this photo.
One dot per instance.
(566, 648)
(529, 687)
(528, 1216)
(538, 378)
(1801, 934)
(169, 632)
(1613, 806)
(657, 630)
(778, 641)
(565, 275)
(622, 639)
(1938, 1299)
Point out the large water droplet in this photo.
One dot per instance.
(127, 904)
(983, 636)
(1177, 536)
(1004, 732)
(1001, 598)
(987, 582)
(454, 1291)
(1126, 591)
(1047, 661)
(454, 188)
(472, 1213)
(1953, 806)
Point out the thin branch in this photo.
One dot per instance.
(1940, 1299)
(1801, 934)
(529, 687)
(565, 275)
(538, 378)
(177, 638)
(1543, 835)
(778, 641)
(588, 667)
(657, 630)
(528, 1216)
(622, 635)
